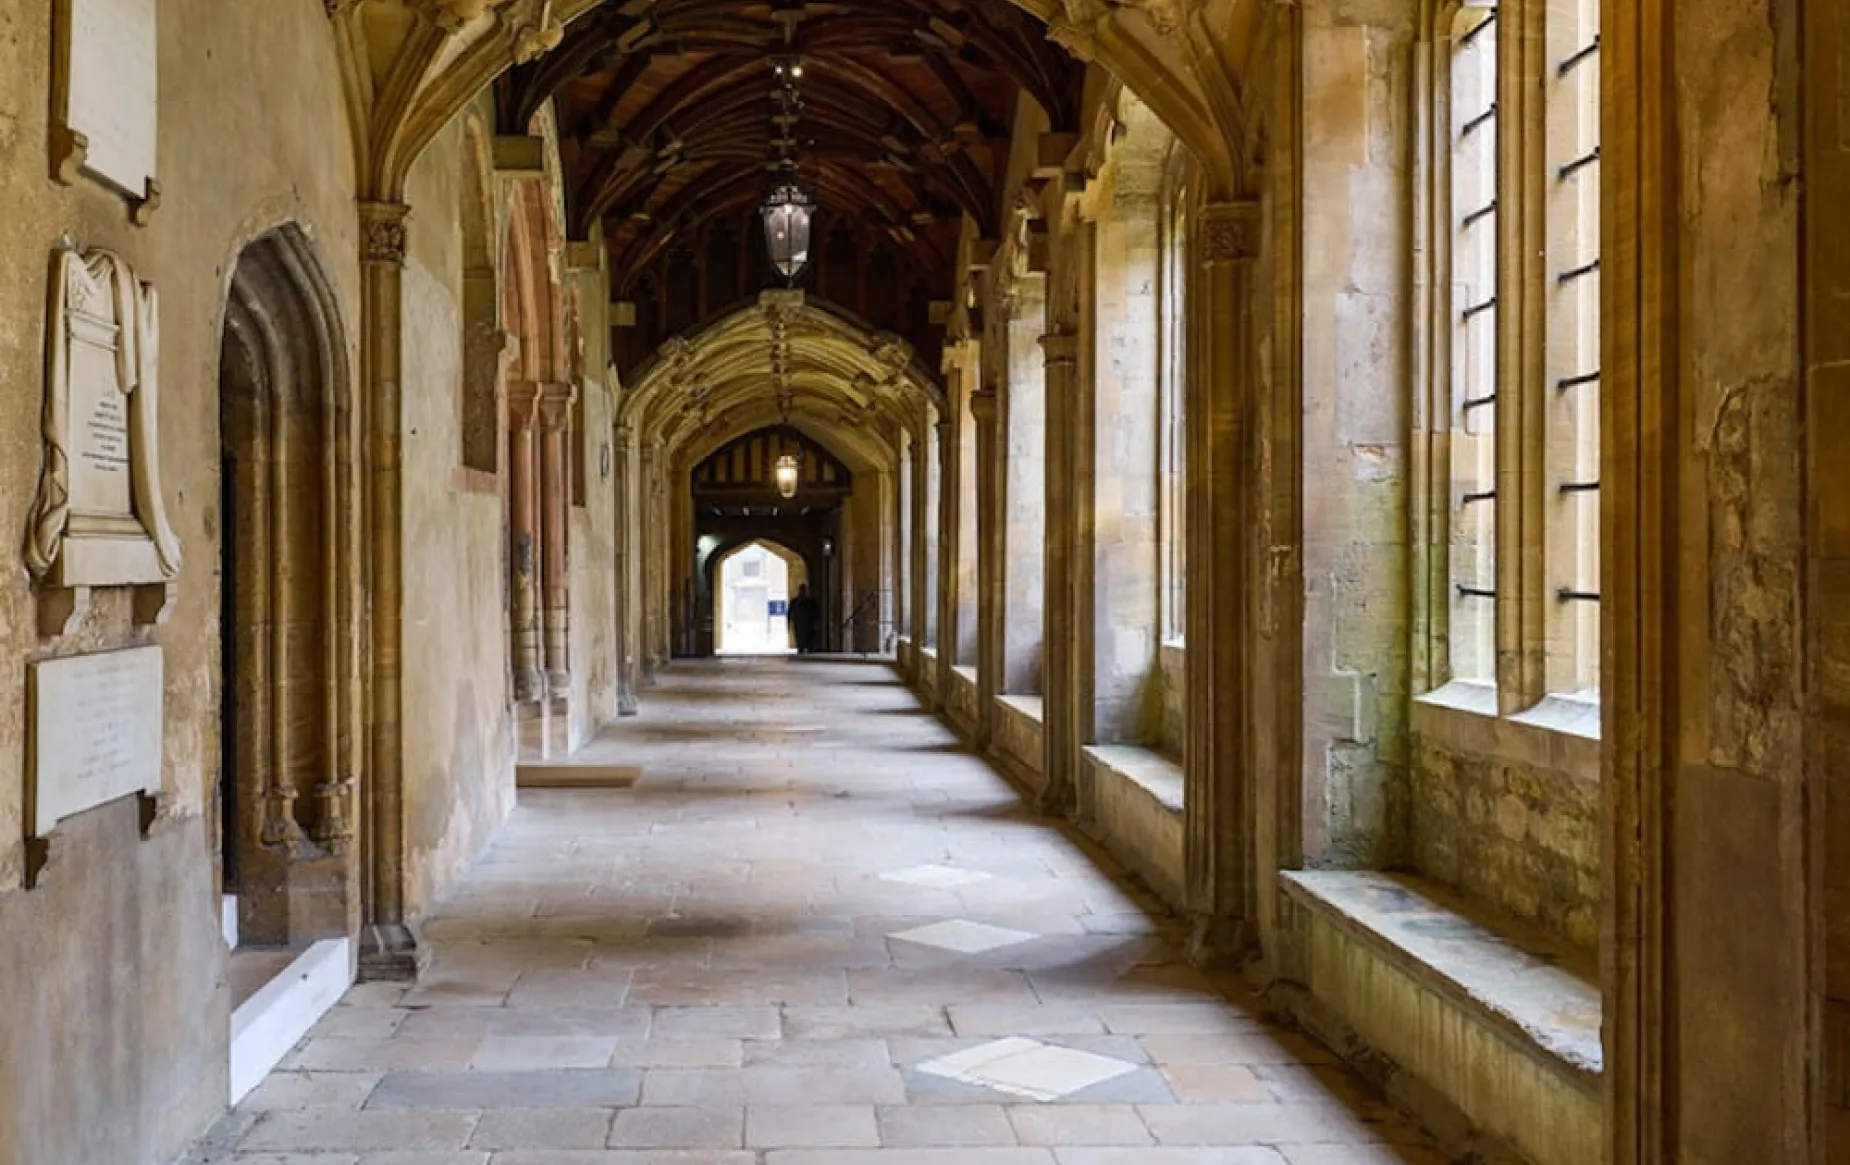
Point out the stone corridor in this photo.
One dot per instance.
(815, 931)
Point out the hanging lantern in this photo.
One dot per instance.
(786, 229)
(787, 476)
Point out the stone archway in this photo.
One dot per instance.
(290, 650)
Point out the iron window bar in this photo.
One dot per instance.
(1478, 121)
(1582, 162)
(1477, 402)
(1573, 273)
(1570, 595)
(1478, 308)
(1477, 496)
(1579, 487)
(1476, 592)
(1575, 381)
(1490, 18)
(1478, 215)
(1576, 58)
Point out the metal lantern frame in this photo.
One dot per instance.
(787, 211)
(787, 475)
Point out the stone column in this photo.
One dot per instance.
(648, 541)
(887, 617)
(948, 469)
(1059, 661)
(1218, 423)
(555, 422)
(990, 516)
(387, 948)
(629, 571)
(523, 539)
(917, 559)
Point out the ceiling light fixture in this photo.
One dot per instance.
(787, 473)
(787, 209)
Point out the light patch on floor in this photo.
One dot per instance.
(965, 937)
(1022, 1067)
(936, 877)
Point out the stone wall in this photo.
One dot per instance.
(114, 1035)
(1356, 305)
(1171, 700)
(1019, 737)
(1508, 812)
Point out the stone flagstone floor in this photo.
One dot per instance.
(816, 932)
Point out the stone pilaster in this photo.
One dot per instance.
(1060, 659)
(990, 518)
(388, 949)
(555, 424)
(919, 596)
(948, 519)
(629, 570)
(1219, 408)
(524, 537)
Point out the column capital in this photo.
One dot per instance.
(555, 412)
(1060, 348)
(1230, 231)
(983, 404)
(382, 232)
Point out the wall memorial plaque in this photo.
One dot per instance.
(104, 110)
(95, 736)
(99, 519)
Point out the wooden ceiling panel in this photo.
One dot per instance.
(673, 108)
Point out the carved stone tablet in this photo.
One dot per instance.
(96, 732)
(99, 519)
(107, 89)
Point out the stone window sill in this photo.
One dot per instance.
(1534, 990)
(1027, 707)
(965, 673)
(1154, 773)
(1560, 732)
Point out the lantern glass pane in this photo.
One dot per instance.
(786, 230)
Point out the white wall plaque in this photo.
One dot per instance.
(105, 109)
(99, 519)
(96, 732)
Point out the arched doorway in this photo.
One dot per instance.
(289, 648)
(753, 586)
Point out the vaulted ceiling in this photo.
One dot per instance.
(669, 114)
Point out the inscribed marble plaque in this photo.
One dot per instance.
(111, 87)
(99, 518)
(96, 732)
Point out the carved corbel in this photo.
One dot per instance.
(448, 15)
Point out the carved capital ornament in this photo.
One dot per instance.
(382, 232)
(1230, 231)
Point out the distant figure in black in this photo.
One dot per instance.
(806, 620)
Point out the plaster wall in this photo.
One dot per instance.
(113, 1039)
(593, 551)
(458, 725)
(597, 615)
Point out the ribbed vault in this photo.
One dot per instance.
(782, 358)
